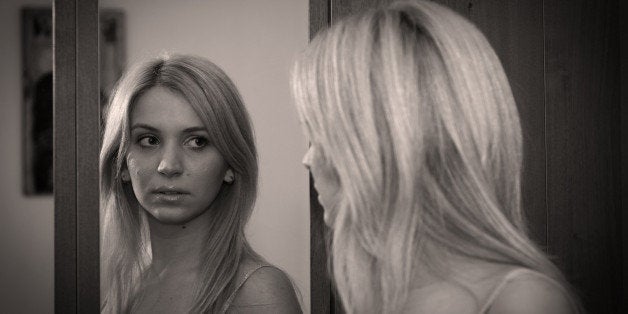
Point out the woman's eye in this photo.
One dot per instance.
(148, 141)
(197, 142)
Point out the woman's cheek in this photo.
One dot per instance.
(137, 169)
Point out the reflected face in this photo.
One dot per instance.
(326, 180)
(175, 171)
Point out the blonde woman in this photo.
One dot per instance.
(416, 154)
(178, 181)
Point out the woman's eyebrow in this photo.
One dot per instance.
(143, 126)
(153, 129)
(194, 129)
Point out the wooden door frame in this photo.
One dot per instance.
(76, 148)
(623, 39)
(322, 300)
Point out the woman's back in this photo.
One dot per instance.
(491, 288)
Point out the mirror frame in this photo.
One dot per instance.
(76, 139)
(322, 298)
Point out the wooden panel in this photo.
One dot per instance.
(87, 150)
(64, 156)
(582, 76)
(76, 146)
(320, 15)
(624, 146)
(342, 8)
(320, 284)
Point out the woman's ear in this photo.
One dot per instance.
(229, 176)
(125, 175)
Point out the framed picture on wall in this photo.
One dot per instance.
(37, 87)
(37, 100)
(112, 52)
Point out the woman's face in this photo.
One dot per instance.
(175, 170)
(326, 180)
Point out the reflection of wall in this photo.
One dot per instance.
(26, 223)
(254, 42)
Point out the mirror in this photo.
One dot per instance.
(27, 206)
(254, 42)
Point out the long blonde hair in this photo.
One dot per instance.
(125, 237)
(412, 106)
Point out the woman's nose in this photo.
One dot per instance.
(170, 163)
(307, 158)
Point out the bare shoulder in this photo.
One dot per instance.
(531, 293)
(441, 298)
(266, 290)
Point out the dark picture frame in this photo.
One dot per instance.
(37, 90)
(36, 27)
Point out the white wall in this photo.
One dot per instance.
(254, 42)
(26, 223)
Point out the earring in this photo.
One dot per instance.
(229, 176)
(126, 177)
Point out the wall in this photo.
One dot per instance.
(254, 42)
(26, 223)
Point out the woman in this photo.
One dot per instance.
(178, 181)
(416, 154)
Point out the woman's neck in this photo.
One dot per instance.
(177, 248)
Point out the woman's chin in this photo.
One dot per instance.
(330, 206)
(172, 216)
(326, 218)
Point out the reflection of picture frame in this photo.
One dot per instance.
(37, 87)
(37, 100)
(112, 51)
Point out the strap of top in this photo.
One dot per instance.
(241, 283)
(511, 275)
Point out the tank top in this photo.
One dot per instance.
(240, 283)
(512, 275)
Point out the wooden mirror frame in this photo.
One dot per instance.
(76, 149)
(76, 152)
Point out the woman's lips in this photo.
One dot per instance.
(169, 190)
(169, 195)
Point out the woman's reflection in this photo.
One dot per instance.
(178, 182)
